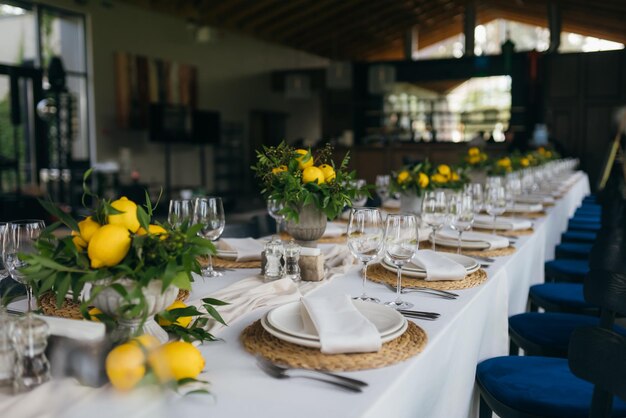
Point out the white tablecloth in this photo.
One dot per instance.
(439, 382)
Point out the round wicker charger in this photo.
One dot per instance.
(71, 310)
(324, 240)
(507, 233)
(379, 274)
(232, 264)
(527, 215)
(500, 252)
(258, 341)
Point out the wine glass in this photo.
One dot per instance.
(495, 203)
(360, 197)
(20, 238)
(461, 208)
(180, 211)
(365, 239)
(401, 243)
(209, 212)
(274, 206)
(382, 187)
(3, 231)
(513, 190)
(434, 211)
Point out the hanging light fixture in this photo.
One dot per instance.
(381, 78)
(339, 75)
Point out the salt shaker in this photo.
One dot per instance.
(273, 264)
(292, 257)
(30, 338)
(7, 353)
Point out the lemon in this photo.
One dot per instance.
(146, 341)
(176, 360)
(328, 171)
(423, 180)
(303, 156)
(455, 177)
(92, 314)
(312, 174)
(183, 321)
(125, 366)
(128, 217)
(504, 162)
(403, 176)
(439, 178)
(86, 228)
(108, 246)
(444, 170)
(279, 169)
(153, 230)
(474, 159)
(78, 241)
(473, 151)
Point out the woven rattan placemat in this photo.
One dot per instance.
(377, 273)
(71, 310)
(507, 232)
(232, 264)
(324, 240)
(527, 215)
(259, 342)
(500, 252)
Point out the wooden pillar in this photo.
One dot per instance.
(554, 24)
(411, 43)
(469, 24)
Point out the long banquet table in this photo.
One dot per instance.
(438, 382)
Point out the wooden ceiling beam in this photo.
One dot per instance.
(281, 9)
(252, 8)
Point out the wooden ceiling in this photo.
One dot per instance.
(375, 29)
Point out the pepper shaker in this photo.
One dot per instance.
(273, 264)
(7, 353)
(30, 338)
(292, 258)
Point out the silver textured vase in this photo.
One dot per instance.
(310, 226)
(109, 301)
(410, 203)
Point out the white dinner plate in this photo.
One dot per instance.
(470, 245)
(288, 319)
(470, 264)
(315, 343)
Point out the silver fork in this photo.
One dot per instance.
(436, 292)
(279, 372)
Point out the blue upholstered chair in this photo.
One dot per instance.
(566, 270)
(530, 386)
(583, 225)
(579, 236)
(573, 250)
(560, 297)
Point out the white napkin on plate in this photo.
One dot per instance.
(341, 327)
(494, 241)
(534, 199)
(74, 329)
(502, 222)
(525, 207)
(240, 249)
(438, 266)
(250, 294)
(334, 229)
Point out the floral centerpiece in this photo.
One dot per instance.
(309, 185)
(446, 177)
(133, 266)
(411, 183)
(501, 167)
(476, 158)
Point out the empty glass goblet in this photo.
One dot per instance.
(365, 239)
(180, 211)
(434, 211)
(461, 214)
(401, 243)
(495, 203)
(274, 206)
(209, 212)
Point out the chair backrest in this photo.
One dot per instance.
(606, 289)
(598, 355)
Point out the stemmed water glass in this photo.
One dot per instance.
(209, 212)
(401, 243)
(19, 238)
(365, 239)
(274, 206)
(434, 211)
(180, 211)
(360, 197)
(461, 214)
(495, 203)
(3, 231)
(513, 190)
(382, 187)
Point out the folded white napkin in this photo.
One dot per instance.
(334, 229)
(240, 249)
(341, 327)
(494, 241)
(424, 233)
(249, 294)
(534, 198)
(77, 330)
(502, 222)
(525, 207)
(392, 204)
(438, 266)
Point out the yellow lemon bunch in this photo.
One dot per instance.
(127, 364)
(183, 321)
(524, 162)
(475, 156)
(444, 174)
(405, 177)
(311, 173)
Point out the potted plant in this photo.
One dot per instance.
(447, 177)
(127, 266)
(476, 162)
(411, 183)
(309, 185)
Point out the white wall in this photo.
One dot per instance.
(233, 77)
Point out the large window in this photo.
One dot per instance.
(489, 37)
(31, 35)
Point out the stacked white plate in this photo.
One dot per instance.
(285, 323)
(468, 245)
(416, 270)
(227, 255)
(534, 198)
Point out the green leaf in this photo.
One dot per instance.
(62, 288)
(144, 219)
(181, 281)
(54, 210)
(213, 312)
(215, 302)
